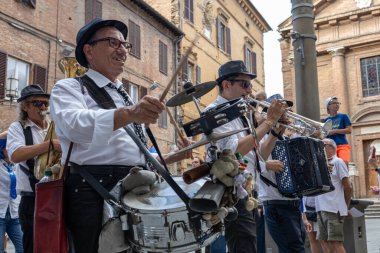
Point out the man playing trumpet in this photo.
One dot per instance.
(26, 140)
(234, 82)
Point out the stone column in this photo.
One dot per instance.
(339, 80)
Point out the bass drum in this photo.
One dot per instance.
(159, 220)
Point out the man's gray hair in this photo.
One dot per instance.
(22, 115)
(330, 142)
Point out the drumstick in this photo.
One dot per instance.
(179, 67)
(180, 134)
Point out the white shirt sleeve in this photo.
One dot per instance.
(70, 108)
(15, 138)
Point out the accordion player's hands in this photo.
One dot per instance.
(275, 165)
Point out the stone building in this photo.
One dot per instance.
(228, 30)
(35, 35)
(348, 57)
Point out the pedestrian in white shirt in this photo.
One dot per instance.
(9, 201)
(332, 207)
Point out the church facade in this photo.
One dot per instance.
(348, 66)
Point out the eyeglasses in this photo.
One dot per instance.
(335, 103)
(114, 43)
(245, 84)
(39, 103)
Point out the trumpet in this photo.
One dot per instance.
(300, 124)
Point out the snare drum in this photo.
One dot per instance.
(159, 220)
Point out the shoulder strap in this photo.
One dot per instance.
(28, 141)
(104, 100)
(99, 95)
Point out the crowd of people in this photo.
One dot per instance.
(89, 114)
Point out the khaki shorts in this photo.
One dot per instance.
(330, 226)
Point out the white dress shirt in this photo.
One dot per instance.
(15, 140)
(334, 201)
(5, 199)
(80, 120)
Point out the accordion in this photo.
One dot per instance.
(305, 167)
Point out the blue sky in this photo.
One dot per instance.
(274, 12)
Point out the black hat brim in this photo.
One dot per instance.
(33, 94)
(79, 54)
(224, 77)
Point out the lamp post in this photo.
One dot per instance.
(11, 87)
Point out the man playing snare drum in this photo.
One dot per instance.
(100, 144)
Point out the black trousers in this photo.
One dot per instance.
(26, 217)
(84, 207)
(241, 233)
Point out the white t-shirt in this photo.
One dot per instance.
(5, 199)
(334, 201)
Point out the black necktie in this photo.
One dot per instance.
(137, 127)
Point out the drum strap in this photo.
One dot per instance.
(104, 100)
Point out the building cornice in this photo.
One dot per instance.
(255, 15)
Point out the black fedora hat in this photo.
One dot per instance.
(86, 32)
(233, 68)
(32, 90)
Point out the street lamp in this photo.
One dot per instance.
(11, 87)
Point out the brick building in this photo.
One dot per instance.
(37, 34)
(348, 57)
(228, 30)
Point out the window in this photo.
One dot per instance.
(31, 3)
(135, 39)
(189, 10)
(190, 72)
(250, 59)
(223, 33)
(163, 120)
(163, 58)
(93, 9)
(134, 92)
(14, 69)
(198, 75)
(370, 70)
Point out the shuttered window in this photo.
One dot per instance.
(163, 58)
(223, 35)
(185, 70)
(93, 9)
(250, 60)
(39, 77)
(198, 75)
(189, 10)
(143, 92)
(135, 39)
(31, 3)
(3, 74)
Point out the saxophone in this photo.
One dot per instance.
(52, 159)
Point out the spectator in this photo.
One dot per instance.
(332, 207)
(341, 126)
(9, 201)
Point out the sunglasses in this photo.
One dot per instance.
(245, 84)
(39, 103)
(114, 43)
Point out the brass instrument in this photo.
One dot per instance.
(300, 124)
(71, 68)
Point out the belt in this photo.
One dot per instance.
(27, 194)
(295, 203)
(100, 169)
